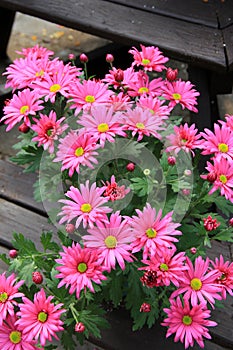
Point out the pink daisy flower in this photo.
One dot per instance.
(12, 338)
(113, 191)
(87, 94)
(152, 233)
(181, 92)
(140, 121)
(150, 58)
(37, 50)
(185, 138)
(112, 238)
(188, 323)
(143, 86)
(225, 280)
(119, 78)
(229, 121)
(79, 268)
(102, 123)
(75, 149)
(199, 283)
(8, 292)
(48, 128)
(85, 205)
(40, 319)
(167, 267)
(219, 142)
(119, 102)
(222, 173)
(155, 106)
(20, 107)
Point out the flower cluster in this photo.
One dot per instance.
(136, 216)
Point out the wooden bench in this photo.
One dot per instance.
(197, 32)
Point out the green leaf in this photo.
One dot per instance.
(66, 241)
(45, 239)
(68, 341)
(23, 245)
(224, 235)
(116, 288)
(5, 259)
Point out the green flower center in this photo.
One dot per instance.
(49, 131)
(15, 337)
(223, 178)
(223, 147)
(86, 208)
(187, 320)
(3, 297)
(90, 98)
(55, 88)
(42, 316)
(145, 61)
(103, 127)
(163, 267)
(176, 96)
(79, 152)
(196, 284)
(143, 89)
(151, 233)
(110, 242)
(140, 126)
(82, 267)
(24, 109)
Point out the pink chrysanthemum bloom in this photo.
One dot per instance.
(79, 268)
(40, 319)
(37, 50)
(222, 173)
(119, 102)
(140, 121)
(48, 128)
(188, 323)
(229, 121)
(155, 106)
(20, 107)
(55, 82)
(181, 92)
(219, 142)
(85, 205)
(150, 58)
(167, 267)
(75, 149)
(8, 292)
(185, 138)
(102, 123)
(199, 283)
(119, 78)
(113, 191)
(152, 233)
(87, 94)
(12, 338)
(112, 239)
(225, 280)
(143, 86)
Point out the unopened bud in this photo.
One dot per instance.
(231, 222)
(186, 192)
(24, 128)
(119, 75)
(70, 228)
(13, 253)
(71, 56)
(187, 172)
(171, 74)
(83, 58)
(210, 224)
(212, 176)
(37, 277)
(171, 160)
(193, 250)
(79, 327)
(109, 58)
(145, 307)
(130, 166)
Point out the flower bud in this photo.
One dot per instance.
(210, 224)
(83, 58)
(231, 222)
(130, 166)
(193, 250)
(109, 58)
(171, 160)
(13, 253)
(186, 192)
(212, 176)
(171, 74)
(70, 228)
(119, 75)
(79, 327)
(24, 128)
(145, 307)
(187, 172)
(37, 277)
(71, 56)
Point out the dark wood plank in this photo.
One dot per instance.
(178, 39)
(224, 11)
(228, 42)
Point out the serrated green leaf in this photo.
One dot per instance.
(23, 245)
(5, 259)
(48, 244)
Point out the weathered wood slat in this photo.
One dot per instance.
(178, 39)
(224, 11)
(3, 266)
(228, 42)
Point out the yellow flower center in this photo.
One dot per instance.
(86, 208)
(15, 337)
(151, 233)
(90, 98)
(110, 242)
(163, 267)
(24, 109)
(82, 267)
(196, 284)
(3, 297)
(187, 320)
(143, 90)
(223, 178)
(145, 61)
(223, 147)
(140, 126)
(79, 152)
(176, 96)
(42, 316)
(55, 87)
(103, 127)
(49, 131)
(40, 73)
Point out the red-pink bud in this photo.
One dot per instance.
(109, 58)
(171, 160)
(212, 176)
(145, 307)
(210, 224)
(7, 102)
(24, 128)
(79, 327)
(71, 56)
(37, 277)
(119, 75)
(70, 228)
(171, 74)
(130, 166)
(83, 58)
(231, 222)
(193, 250)
(13, 253)
(186, 192)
